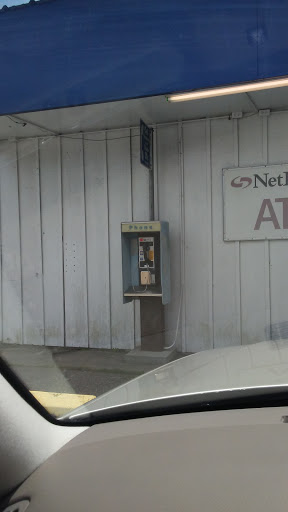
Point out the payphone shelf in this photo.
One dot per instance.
(132, 292)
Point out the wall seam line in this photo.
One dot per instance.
(86, 238)
(20, 240)
(61, 225)
(182, 302)
(209, 177)
(63, 250)
(108, 239)
(41, 237)
(266, 242)
(237, 244)
(132, 217)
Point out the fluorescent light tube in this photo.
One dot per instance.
(231, 89)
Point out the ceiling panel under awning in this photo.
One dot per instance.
(154, 110)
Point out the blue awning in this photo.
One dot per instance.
(58, 53)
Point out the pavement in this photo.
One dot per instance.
(62, 378)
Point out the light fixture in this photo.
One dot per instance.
(231, 89)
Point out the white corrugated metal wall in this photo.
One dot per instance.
(62, 201)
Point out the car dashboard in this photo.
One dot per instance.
(210, 461)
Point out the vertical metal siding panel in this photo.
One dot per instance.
(210, 230)
(10, 241)
(140, 202)
(120, 210)
(267, 242)
(51, 209)
(169, 210)
(74, 241)
(97, 240)
(237, 243)
(182, 311)
(253, 316)
(277, 138)
(225, 303)
(31, 250)
(278, 153)
(137, 323)
(197, 226)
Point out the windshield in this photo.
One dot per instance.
(144, 231)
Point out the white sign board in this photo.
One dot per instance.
(256, 203)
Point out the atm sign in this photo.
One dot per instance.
(256, 203)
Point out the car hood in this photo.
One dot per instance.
(229, 368)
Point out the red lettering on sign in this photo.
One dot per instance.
(271, 218)
(284, 201)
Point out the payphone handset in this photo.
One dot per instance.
(146, 260)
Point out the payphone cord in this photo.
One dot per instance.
(178, 322)
(139, 291)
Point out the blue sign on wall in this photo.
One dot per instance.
(146, 145)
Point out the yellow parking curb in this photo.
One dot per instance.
(60, 403)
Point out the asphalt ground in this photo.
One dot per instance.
(63, 378)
